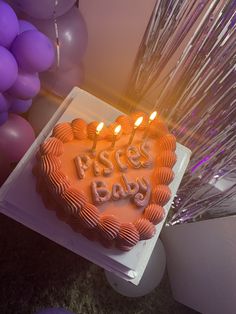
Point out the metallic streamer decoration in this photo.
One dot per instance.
(58, 51)
(196, 94)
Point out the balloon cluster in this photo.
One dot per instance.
(24, 51)
(63, 23)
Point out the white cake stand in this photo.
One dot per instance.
(151, 277)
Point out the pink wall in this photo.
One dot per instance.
(115, 31)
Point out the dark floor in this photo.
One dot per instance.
(36, 273)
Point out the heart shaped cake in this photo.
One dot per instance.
(109, 186)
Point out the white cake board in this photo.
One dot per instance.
(20, 201)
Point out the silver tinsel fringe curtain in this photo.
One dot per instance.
(195, 92)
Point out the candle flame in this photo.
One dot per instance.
(99, 127)
(153, 116)
(117, 129)
(138, 122)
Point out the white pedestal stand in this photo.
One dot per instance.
(151, 277)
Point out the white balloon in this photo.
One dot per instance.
(150, 280)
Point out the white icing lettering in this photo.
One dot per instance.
(104, 159)
(133, 156)
(118, 153)
(96, 169)
(141, 199)
(82, 163)
(118, 192)
(131, 187)
(100, 193)
(148, 162)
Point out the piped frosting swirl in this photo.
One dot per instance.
(167, 142)
(73, 200)
(52, 146)
(158, 128)
(64, 132)
(109, 226)
(57, 182)
(91, 131)
(126, 124)
(128, 235)
(79, 127)
(161, 194)
(154, 213)
(145, 228)
(49, 164)
(89, 215)
(163, 175)
(166, 158)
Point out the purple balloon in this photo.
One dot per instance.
(20, 106)
(26, 26)
(3, 117)
(16, 136)
(44, 9)
(61, 82)
(4, 103)
(9, 26)
(73, 38)
(8, 69)
(33, 51)
(26, 86)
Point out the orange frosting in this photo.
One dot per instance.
(49, 164)
(168, 142)
(64, 132)
(89, 215)
(128, 235)
(91, 130)
(109, 226)
(158, 128)
(163, 175)
(154, 213)
(115, 221)
(135, 115)
(145, 228)
(126, 124)
(79, 127)
(57, 182)
(161, 194)
(166, 159)
(110, 132)
(52, 146)
(73, 200)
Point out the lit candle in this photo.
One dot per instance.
(116, 132)
(98, 130)
(151, 118)
(136, 125)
